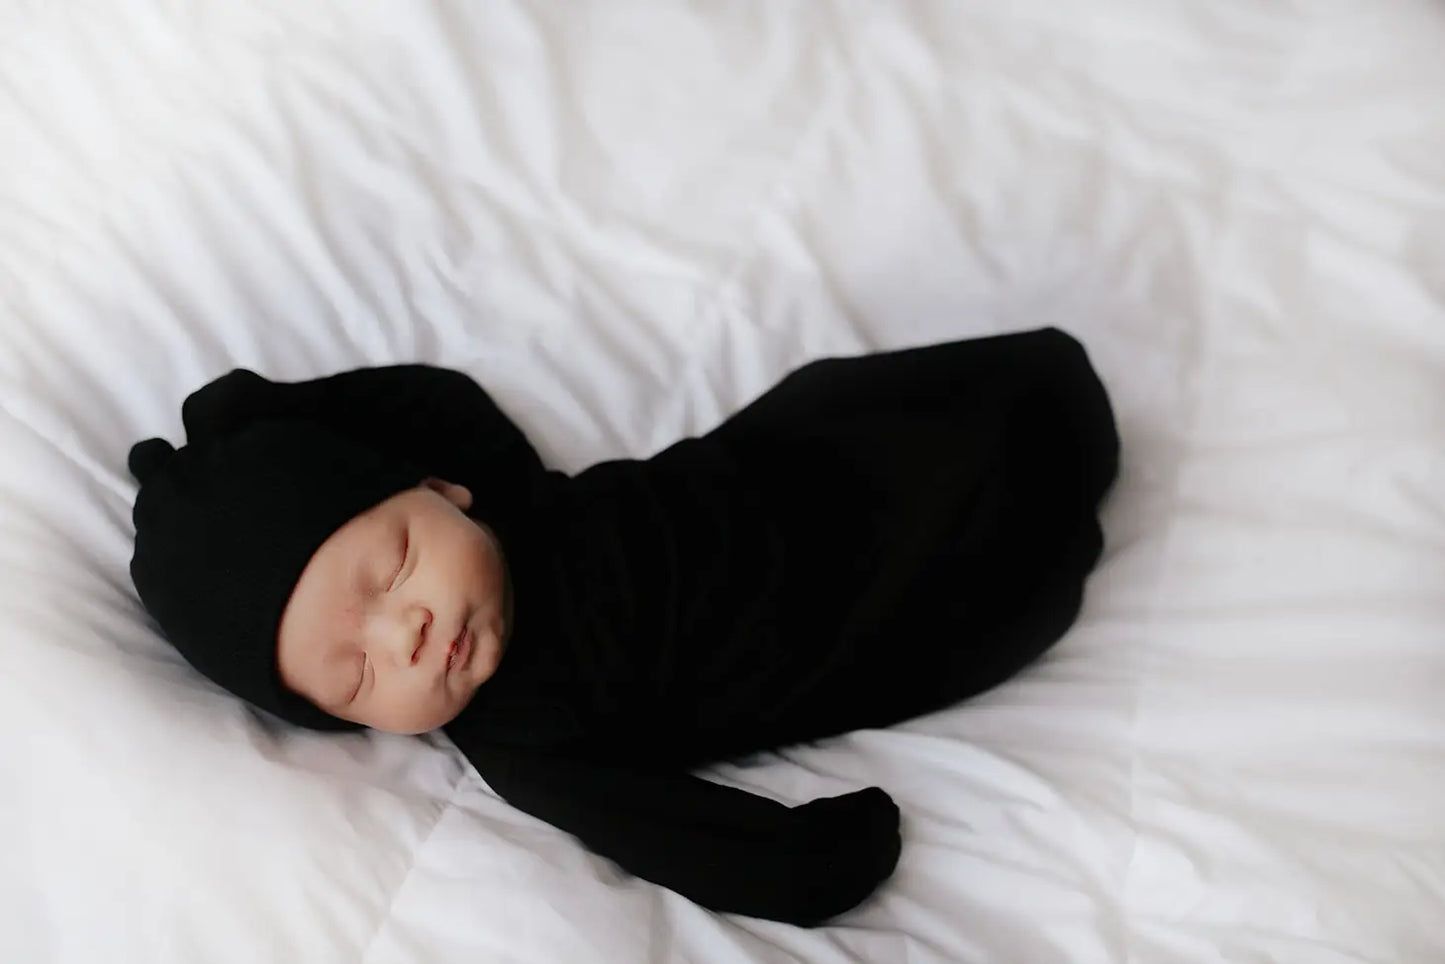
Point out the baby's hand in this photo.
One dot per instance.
(857, 836)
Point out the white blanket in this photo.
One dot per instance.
(626, 219)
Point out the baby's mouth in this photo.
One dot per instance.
(461, 647)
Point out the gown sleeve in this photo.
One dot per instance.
(724, 848)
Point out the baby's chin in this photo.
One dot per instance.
(424, 715)
(416, 727)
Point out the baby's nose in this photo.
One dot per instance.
(413, 629)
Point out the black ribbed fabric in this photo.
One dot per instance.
(872, 539)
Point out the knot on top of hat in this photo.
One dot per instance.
(230, 403)
(149, 457)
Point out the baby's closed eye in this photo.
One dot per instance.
(360, 680)
(402, 555)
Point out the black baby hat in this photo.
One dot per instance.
(226, 524)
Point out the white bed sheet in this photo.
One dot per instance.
(627, 218)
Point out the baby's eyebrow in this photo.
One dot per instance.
(359, 580)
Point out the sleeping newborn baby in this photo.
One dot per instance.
(872, 539)
(400, 615)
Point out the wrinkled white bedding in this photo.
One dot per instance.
(626, 219)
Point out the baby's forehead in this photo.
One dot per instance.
(356, 541)
(367, 534)
(375, 524)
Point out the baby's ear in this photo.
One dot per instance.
(458, 495)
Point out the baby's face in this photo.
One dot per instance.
(399, 616)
